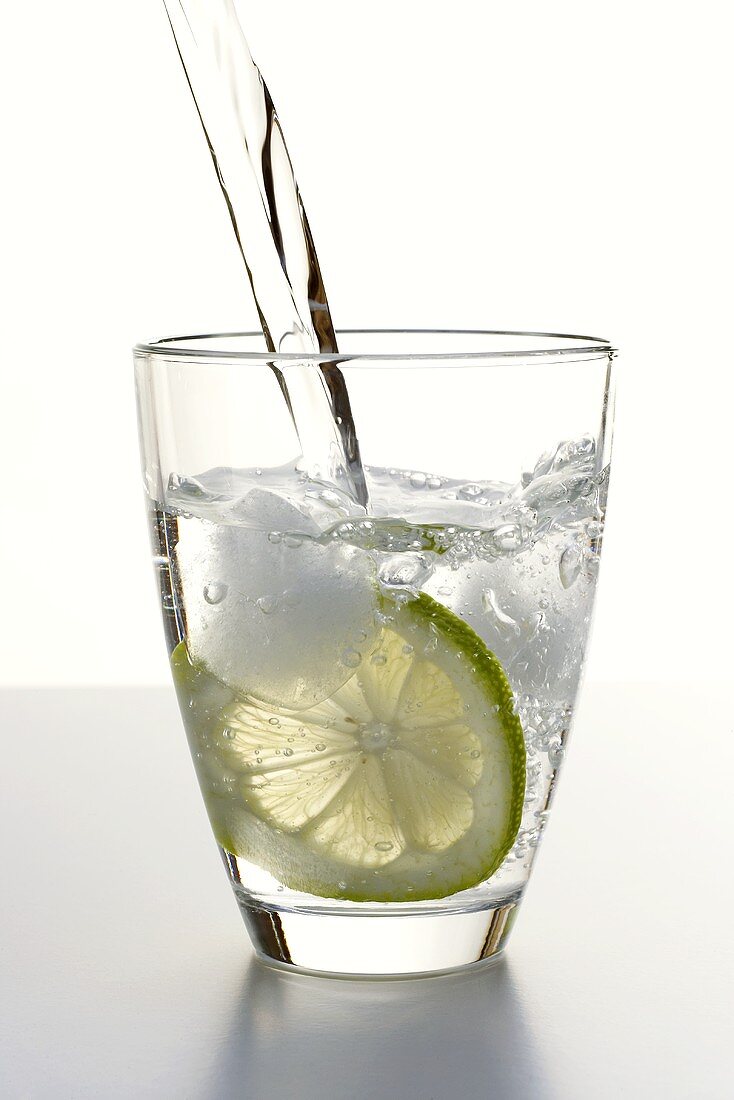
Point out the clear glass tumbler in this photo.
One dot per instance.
(378, 697)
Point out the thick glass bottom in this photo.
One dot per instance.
(377, 944)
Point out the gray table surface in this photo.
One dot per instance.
(126, 972)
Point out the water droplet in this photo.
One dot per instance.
(379, 659)
(445, 591)
(417, 480)
(287, 752)
(475, 754)
(434, 483)
(273, 721)
(320, 747)
(351, 658)
(267, 604)
(384, 846)
(407, 649)
(275, 537)
(293, 541)
(228, 734)
(470, 491)
(569, 566)
(215, 592)
(544, 604)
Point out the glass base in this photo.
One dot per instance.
(377, 944)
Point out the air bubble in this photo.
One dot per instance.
(351, 658)
(293, 541)
(320, 747)
(569, 566)
(555, 756)
(405, 571)
(287, 752)
(379, 659)
(508, 538)
(267, 604)
(214, 593)
(275, 537)
(417, 480)
(384, 846)
(490, 603)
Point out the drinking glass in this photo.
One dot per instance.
(378, 698)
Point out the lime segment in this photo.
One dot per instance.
(406, 784)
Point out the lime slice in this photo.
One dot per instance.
(406, 784)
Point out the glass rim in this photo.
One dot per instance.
(183, 347)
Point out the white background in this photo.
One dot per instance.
(559, 166)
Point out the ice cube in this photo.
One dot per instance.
(265, 510)
(293, 607)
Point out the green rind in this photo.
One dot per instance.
(202, 699)
(471, 645)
